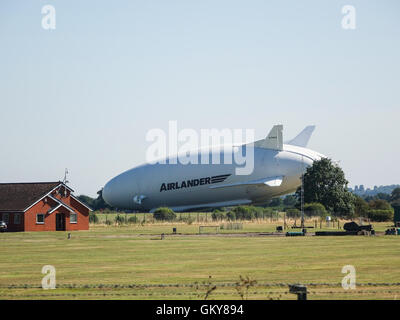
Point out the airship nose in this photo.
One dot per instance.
(114, 192)
(107, 193)
(120, 190)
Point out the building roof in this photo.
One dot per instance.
(19, 196)
(60, 204)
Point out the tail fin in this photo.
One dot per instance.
(301, 140)
(273, 140)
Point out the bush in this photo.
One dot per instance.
(293, 213)
(93, 218)
(119, 219)
(315, 209)
(380, 215)
(217, 215)
(188, 219)
(244, 212)
(259, 212)
(231, 215)
(133, 219)
(164, 214)
(247, 213)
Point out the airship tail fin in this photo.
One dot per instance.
(273, 140)
(301, 140)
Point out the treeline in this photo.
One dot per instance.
(167, 214)
(376, 191)
(96, 203)
(377, 208)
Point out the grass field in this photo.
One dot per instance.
(131, 262)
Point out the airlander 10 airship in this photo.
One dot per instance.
(277, 171)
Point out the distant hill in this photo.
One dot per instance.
(361, 191)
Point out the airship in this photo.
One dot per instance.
(277, 170)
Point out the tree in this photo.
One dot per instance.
(99, 202)
(360, 207)
(395, 197)
(276, 202)
(379, 204)
(95, 204)
(86, 200)
(244, 212)
(383, 196)
(325, 183)
(290, 200)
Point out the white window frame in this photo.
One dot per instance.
(76, 218)
(3, 218)
(37, 214)
(19, 218)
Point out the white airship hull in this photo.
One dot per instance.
(193, 186)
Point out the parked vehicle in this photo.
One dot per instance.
(3, 226)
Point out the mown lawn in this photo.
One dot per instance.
(110, 263)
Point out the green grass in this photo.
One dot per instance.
(134, 254)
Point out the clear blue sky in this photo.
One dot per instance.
(84, 95)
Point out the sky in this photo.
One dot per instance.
(83, 95)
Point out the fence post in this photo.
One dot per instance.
(284, 221)
(298, 289)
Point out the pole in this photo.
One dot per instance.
(302, 193)
(302, 201)
(284, 221)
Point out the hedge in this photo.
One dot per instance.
(164, 214)
(315, 209)
(380, 215)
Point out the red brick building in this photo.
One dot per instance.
(42, 206)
